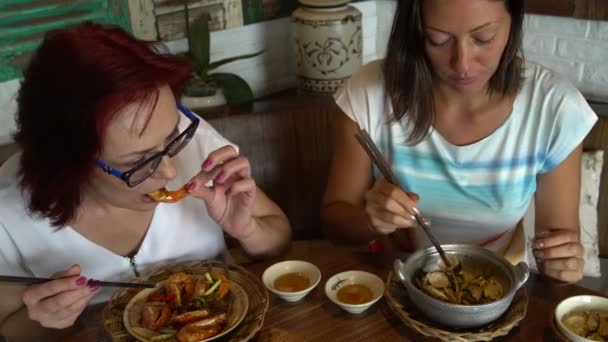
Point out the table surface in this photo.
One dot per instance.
(315, 318)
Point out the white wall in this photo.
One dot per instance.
(274, 69)
(576, 48)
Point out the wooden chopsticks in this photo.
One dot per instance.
(385, 168)
(91, 282)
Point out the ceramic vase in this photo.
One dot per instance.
(328, 44)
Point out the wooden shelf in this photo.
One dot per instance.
(286, 100)
(584, 9)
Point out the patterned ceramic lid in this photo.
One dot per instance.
(324, 3)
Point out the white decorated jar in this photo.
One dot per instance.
(328, 44)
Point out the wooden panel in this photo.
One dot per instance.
(289, 151)
(550, 7)
(598, 140)
(584, 9)
(171, 19)
(172, 25)
(24, 22)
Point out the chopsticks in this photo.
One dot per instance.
(376, 156)
(91, 282)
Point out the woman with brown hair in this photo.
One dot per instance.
(99, 131)
(474, 133)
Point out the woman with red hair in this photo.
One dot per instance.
(99, 130)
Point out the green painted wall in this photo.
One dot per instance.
(24, 22)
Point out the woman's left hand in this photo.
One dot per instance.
(559, 254)
(231, 198)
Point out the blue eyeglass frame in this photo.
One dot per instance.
(189, 132)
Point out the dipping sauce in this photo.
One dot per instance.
(292, 282)
(354, 294)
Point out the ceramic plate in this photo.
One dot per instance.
(132, 313)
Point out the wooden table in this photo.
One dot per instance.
(315, 318)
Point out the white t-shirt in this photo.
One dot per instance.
(476, 193)
(30, 246)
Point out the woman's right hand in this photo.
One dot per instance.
(58, 303)
(389, 208)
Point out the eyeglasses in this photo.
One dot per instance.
(145, 168)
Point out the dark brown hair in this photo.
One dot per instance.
(408, 74)
(76, 81)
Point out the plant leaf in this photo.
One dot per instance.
(199, 43)
(221, 62)
(236, 90)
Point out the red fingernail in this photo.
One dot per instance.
(94, 288)
(219, 178)
(81, 281)
(206, 163)
(190, 187)
(375, 246)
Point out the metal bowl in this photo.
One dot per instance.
(470, 257)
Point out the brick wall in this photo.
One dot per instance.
(578, 49)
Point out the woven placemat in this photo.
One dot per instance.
(400, 303)
(256, 292)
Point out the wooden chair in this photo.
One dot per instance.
(598, 140)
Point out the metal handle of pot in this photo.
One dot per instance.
(522, 272)
(398, 266)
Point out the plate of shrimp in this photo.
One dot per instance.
(186, 308)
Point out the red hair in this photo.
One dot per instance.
(76, 81)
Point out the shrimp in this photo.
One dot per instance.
(191, 316)
(224, 286)
(154, 315)
(194, 335)
(164, 195)
(218, 319)
(181, 286)
(202, 329)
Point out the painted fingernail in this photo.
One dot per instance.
(413, 196)
(220, 177)
(190, 187)
(94, 288)
(416, 211)
(543, 233)
(413, 218)
(206, 163)
(81, 281)
(228, 192)
(538, 244)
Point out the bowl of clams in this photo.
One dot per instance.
(583, 318)
(475, 288)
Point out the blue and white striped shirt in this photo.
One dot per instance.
(477, 193)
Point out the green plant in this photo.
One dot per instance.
(204, 82)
